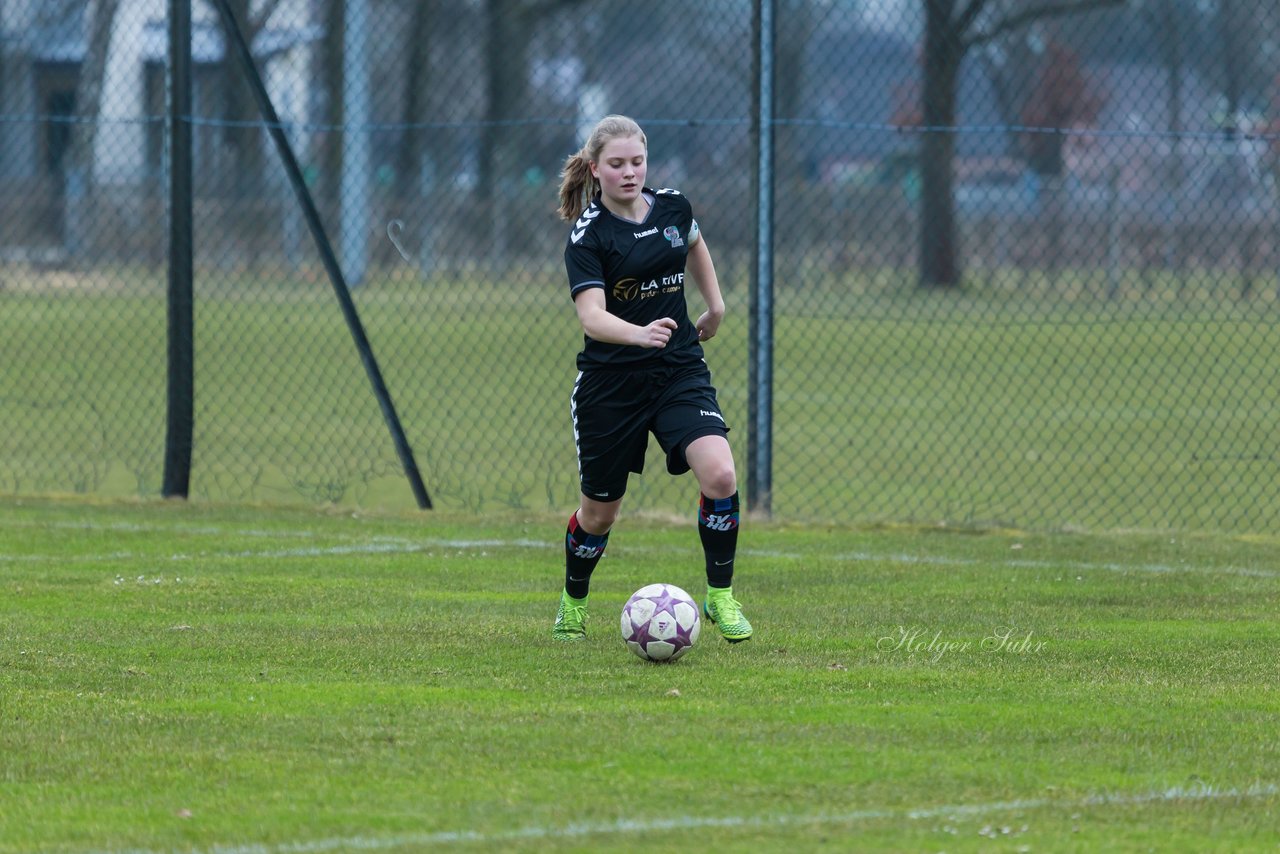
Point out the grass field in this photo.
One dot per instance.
(264, 679)
(993, 406)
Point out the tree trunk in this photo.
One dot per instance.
(243, 136)
(417, 57)
(332, 75)
(243, 139)
(1173, 253)
(1231, 26)
(939, 261)
(78, 201)
(795, 28)
(505, 78)
(1007, 81)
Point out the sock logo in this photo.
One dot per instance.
(720, 521)
(588, 552)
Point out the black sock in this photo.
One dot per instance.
(582, 552)
(718, 528)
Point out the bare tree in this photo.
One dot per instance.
(332, 61)
(798, 22)
(1164, 18)
(507, 24)
(1239, 49)
(1008, 63)
(506, 73)
(417, 85)
(88, 101)
(1060, 96)
(241, 136)
(1036, 75)
(952, 29)
(1231, 44)
(507, 27)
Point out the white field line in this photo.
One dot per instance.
(381, 546)
(140, 528)
(782, 820)
(942, 560)
(396, 545)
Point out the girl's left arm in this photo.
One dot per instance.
(699, 265)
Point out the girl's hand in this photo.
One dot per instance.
(657, 334)
(708, 324)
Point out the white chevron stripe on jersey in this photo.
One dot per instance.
(580, 227)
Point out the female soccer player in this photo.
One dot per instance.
(641, 369)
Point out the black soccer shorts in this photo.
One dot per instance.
(615, 411)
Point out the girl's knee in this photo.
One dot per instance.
(720, 481)
(597, 518)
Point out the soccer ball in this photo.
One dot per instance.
(660, 622)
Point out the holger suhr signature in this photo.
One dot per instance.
(918, 640)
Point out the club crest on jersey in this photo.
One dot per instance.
(673, 236)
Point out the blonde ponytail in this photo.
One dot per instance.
(577, 185)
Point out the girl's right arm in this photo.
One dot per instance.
(600, 325)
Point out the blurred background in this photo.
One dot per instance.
(1008, 262)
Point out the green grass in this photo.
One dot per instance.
(988, 407)
(183, 677)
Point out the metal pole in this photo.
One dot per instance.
(236, 42)
(181, 400)
(356, 158)
(760, 393)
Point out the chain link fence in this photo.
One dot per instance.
(1024, 254)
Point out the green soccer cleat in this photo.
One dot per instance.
(571, 619)
(726, 612)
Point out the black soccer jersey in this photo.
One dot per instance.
(640, 266)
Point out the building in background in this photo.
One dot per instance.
(44, 47)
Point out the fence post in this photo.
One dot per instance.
(181, 332)
(760, 368)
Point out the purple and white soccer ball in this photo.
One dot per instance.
(660, 622)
